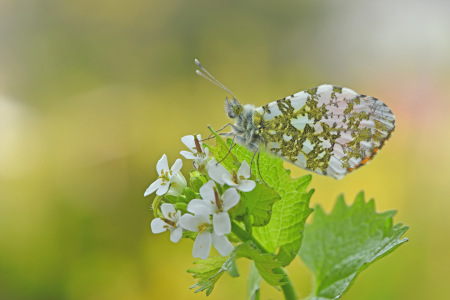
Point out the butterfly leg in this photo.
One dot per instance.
(229, 150)
(220, 129)
(251, 163)
(257, 165)
(259, 171)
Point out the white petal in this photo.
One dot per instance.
(158, 225)
(246, 185)
(221, 223)
(207, 191)
(189, 222)
(200, 161)
(230, 198)
(178, 178)
(228, 179)
(176, 235)
(162, 165)
(204, 212)
(189, 141)
(196, 206)
(168, 210)
(177, 166)
(163, 189)
(188, 155)
(202, 245)
(173, 192)
(244, 170)
(216, 171)
(153, 187)
(222, 244)
(178, 183)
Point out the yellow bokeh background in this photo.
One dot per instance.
(92, 93)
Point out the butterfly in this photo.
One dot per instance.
(327, 130)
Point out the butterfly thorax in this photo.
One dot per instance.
(246, 129)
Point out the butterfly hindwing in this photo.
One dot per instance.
(328, 130)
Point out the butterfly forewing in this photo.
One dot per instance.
(328, 130)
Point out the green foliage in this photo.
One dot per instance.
(257, 205)
(196, 180)
(264, 262)
(208, 271)
(171, 198)
(189, 194)
(271, 219)
(189, 234)
(221, 151)
(338, 246)
(180, 202)
(284, 232)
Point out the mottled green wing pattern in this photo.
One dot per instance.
(328, 130)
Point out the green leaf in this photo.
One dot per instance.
(338, 246)
(221, 151)
(258, 204)
(208, 271)
(284, 232)
(285, 229)
(264, 262)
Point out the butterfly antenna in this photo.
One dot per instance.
(211, 78)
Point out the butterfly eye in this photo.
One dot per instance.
(237, 109)
(233, 108)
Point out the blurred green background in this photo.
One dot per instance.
(92, 93)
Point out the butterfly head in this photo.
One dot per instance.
(233, 108)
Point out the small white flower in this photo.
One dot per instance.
(240, 180)
(170, 222)
(166, 176)
(216, 206)
(198, 153)
(201, 223)
(237, 180)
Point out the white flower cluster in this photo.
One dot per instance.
(209, 215)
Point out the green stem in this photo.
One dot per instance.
(286, 286)
(245, 236)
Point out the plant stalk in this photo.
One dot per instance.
(286, 286)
